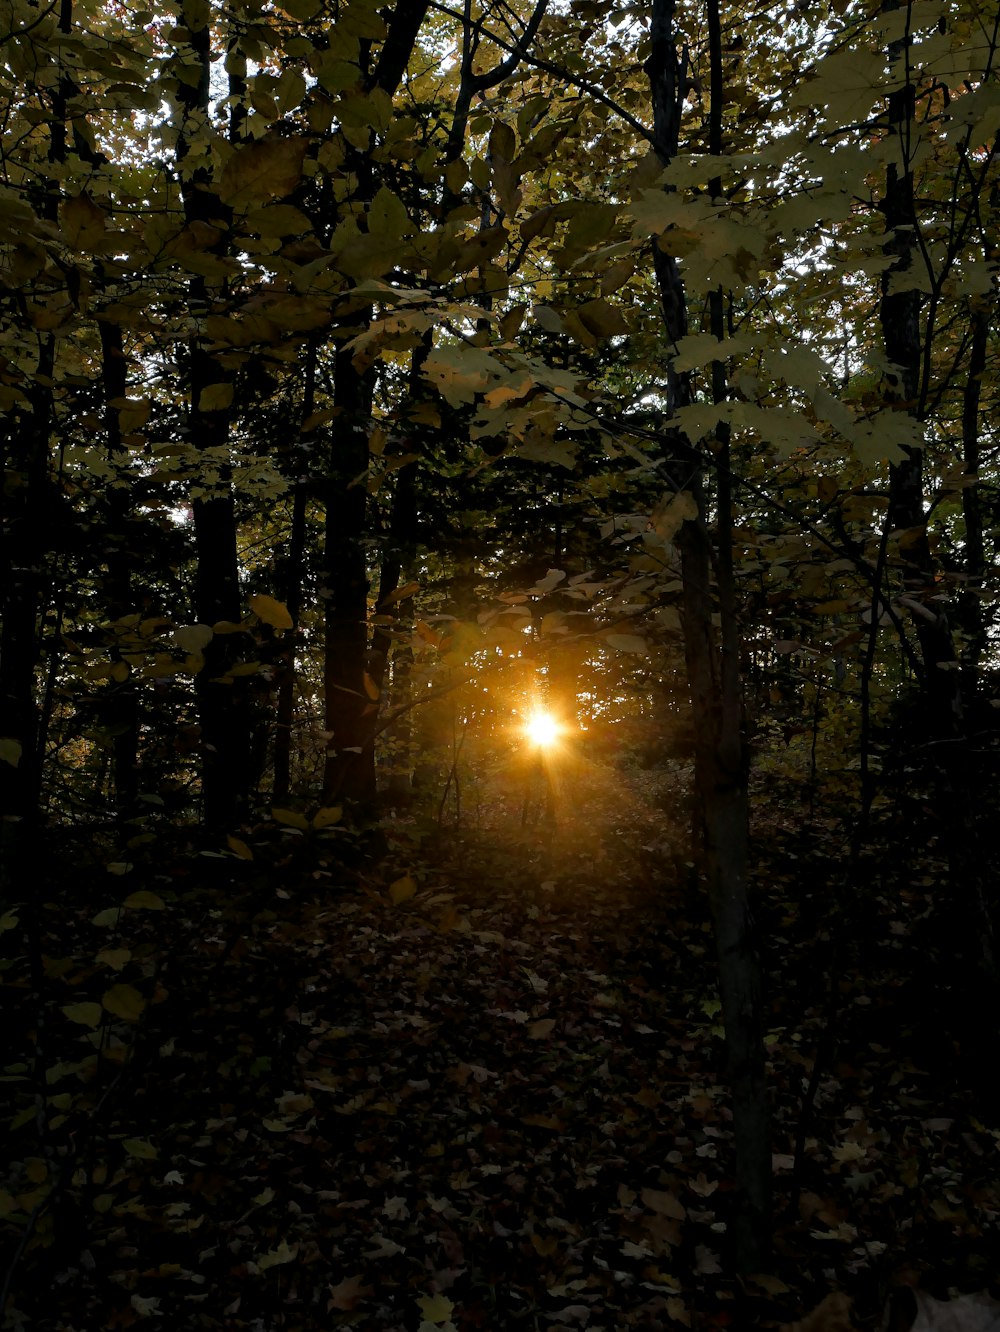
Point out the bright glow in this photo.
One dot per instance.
(542, 729)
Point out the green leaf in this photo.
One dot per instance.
(328, 816)
(87, 1014)
(108, 918)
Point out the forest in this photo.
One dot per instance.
(499, 738)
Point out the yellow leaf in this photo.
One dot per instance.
(402, 890)
(436, 1308)
(125, 1002)
(10, 751)
(272, 612)
(284, 1253)
(140, 1149)
(82, 222)
(291, 818)
(239, 848)
(327, 816)
(86, 1014)
(371, 688)
(215, 398)
(144, 900)
(115, 958)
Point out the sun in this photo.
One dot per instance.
(542, 729)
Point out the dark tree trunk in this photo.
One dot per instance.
(349, 770)
(291, 587)
(223, 702)
(712, 660)
(121, 711)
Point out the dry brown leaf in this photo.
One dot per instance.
(833, 1315)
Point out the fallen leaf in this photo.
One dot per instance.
(348, 1294)
(435, 1308)
(543, 1027)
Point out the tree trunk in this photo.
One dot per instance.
(721, 760)
(291, 588)
(349, 771)
(121, 712)
(223, 702)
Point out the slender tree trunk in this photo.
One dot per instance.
(350, 703)
(721, 761)
(223, 702)
(969, 914)
(121, 714)
(899, 314)
(292, 591)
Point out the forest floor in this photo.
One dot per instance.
(477, 1086)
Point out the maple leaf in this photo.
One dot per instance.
(348, 1294)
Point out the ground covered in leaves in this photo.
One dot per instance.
(470, 1085)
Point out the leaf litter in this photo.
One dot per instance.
(494, 1101)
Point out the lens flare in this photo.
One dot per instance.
(542, 729)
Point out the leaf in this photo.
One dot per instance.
(268, 169)
(140, 1149)
(402, 889)
(82, 222)
(144, 900)
(627, 643)
(966, 1313)
(602, 319)
(87, 1014)
(272, 612)
(193, 638)
(435, 1308)
(327, 816)
(215, 398)
(239, 848)
(108, 918)
(284, 1253)
(348, 1293)
(540, 1029)
(10, 751)
(115, 958)
(125, 1002)
(291, 818)
(664, 1204)
(8, 921)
